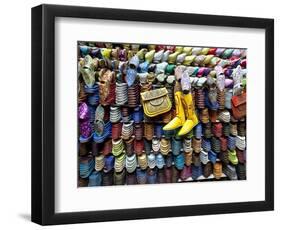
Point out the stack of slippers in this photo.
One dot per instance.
(212, 156)
(86, 166)
(241, 171)
(169, 159)
(119, 177)
(107, 178)
(160, 162)
(115, 114)
(196, 172)
(151, 176)
(188, 158)
(131, 178)
(141, 176)
(120, 162)
(151, 160)
(165, 146)
(108, 163)
(134, 95)
(204, 157)
(99, 163)
(121, 93)
(105, 133)
(131, 163)
(142, 161)
(207, 170)
(117, 147)
(230, 172)
(217, 170)
(176, 146)
(186, 173)
(179, 161)
(95, 179)
(127, 130)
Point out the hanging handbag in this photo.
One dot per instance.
(156, 102)
(238, 103)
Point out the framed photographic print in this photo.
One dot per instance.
(144, 114)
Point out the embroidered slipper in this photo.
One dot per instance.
(87, 71)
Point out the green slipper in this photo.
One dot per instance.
(170, 69)
(232, 157)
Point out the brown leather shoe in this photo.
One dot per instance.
(241, 128)
(116, 130)
(188, 158)
(148, 131)
(107, 86)
(221, 98)
(217, 170)
(196, 145)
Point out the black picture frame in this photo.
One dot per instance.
(43, 113)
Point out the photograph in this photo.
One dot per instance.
(154, 113)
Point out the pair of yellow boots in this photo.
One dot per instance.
(185, 114)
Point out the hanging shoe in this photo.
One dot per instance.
(88, 72)
(149, 56)
(165, 56)
(158, 56)
(173, 57)
(105, 52)
(141, 53)
(179, 120)
(192, 119)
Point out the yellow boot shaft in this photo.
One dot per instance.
(179, 119)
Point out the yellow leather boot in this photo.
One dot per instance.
(179, 119)
(189, 109)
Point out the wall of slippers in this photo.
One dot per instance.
(153, 114)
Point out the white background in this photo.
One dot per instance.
(70, 199)
(15, 113)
